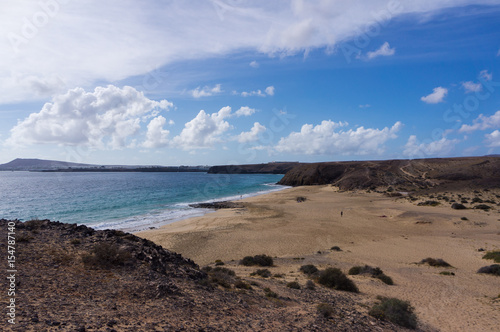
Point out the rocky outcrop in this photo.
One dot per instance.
(74, 278)
(410, 174)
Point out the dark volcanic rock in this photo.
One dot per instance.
(415, 174)
(217, 205)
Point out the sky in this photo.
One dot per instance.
(213, 82)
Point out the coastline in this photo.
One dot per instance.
(375, 230)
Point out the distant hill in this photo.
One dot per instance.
(401, 174)
(270, 168)
(38, 164)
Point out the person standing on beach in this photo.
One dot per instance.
(341, 213)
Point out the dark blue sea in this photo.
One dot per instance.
(126, 201)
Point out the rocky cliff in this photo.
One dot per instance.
(403, 174)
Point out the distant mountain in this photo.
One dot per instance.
(38, 164)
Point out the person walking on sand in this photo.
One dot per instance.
(341, 213)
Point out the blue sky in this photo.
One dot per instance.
(235, 81)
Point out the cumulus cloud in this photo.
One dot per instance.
(442, 147)
(470, 86)
(437, 96)
(254, 64)
(327, 139)
(252, 135)
(482, 123)
(493, 139)
(106, 117)
(156, 136)
(245, 111)
(384, 50)
(269, 91)
(485, 75)
(71, 43)
(204, 131)
(206, 91)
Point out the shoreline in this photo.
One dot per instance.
(391, 233)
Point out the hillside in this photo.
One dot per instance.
(401, 174)
(73, 278)
(20, 164)
(272, 168)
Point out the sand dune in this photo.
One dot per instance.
(374, 229)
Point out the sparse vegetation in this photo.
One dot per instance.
(335, 248)
(264, 273)
(301, 199)
(308, 269)
(447, 273)
(458, 206)
(242, 285)
(270, 293)
(336, 279)
(324, 309)
(220, 275)
(310, 285)
(494, 255)
(491, 269)
(261, 260)
(464, 218)
(75, 241)
(219, 262)
(293, 284)
(482, 207)
(106, 255)
(436, 262)
(396, 311)
(372, 272)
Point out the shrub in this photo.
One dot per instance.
(310, 285)
(264, 273)
(492, 269)
(270, 293)
(495, 255)
(458, 206)
(447, 273)
(336, 279)
(106, 255)
(308, 269)
(325, 309)
(435, 262)
(464, 218)
(261, 260)
(396, 311)
(75, 241)
(293, 284)
(222, 276)
(242, 285)
(373, 272)
(429, 203)
(278, 275)
(219, 262)
(482, 207)
(301, 199)
(335, 248)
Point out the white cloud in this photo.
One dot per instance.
(252, 135)
(204, 131)
(206, 91)
(493, 139)
(106, 117)
(326, 139)
(437, 96)
(254, 64)
(485, 75)
(442, 147)
(269, 91)
(156, 136)
(482, 123)
(498, 53)
(365, 106)
(71, 43)
(245, 111)
(470, 86)
(384, 50)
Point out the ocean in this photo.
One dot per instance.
(126, 201)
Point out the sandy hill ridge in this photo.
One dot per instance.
(73, 278)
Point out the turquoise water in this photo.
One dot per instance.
(128, 201)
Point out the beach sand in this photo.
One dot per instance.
(370, 228)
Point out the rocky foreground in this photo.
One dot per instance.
(73, 278)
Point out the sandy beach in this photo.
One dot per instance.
(370, 228)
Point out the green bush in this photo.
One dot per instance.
(494, 255)
(308, 269)
(325, 309)
(293, 284)
(447, 273)
(261, 260)
(336, 279)
(396, 311)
